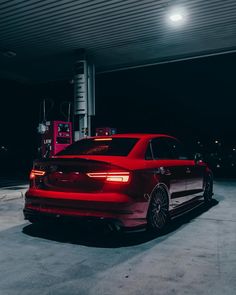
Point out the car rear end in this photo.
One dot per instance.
(83, 187)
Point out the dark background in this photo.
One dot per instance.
(193, 100)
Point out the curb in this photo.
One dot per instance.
(8, 195)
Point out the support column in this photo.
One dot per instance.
(84, 97)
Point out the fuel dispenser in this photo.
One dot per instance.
(57, 136)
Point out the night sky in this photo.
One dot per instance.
(191, 100)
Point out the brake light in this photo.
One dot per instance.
(35, 173)
(103, 139)
(116, 177)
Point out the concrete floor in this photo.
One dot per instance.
(196, 255)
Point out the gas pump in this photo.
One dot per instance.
(55, 135)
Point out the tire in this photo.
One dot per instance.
(208, 189)
(158, 211)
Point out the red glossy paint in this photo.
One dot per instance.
(70, 187)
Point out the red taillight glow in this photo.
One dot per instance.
(121, 177)
(35, 173)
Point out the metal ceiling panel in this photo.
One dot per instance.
(38, 39)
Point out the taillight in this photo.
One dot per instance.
(35, 173)
(115, 177)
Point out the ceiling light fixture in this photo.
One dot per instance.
(176, 16)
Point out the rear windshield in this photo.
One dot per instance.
(97, 146)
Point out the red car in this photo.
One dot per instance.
(128, 180)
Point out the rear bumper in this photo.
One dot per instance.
(37, 216)
(100, 206)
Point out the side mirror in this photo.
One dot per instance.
(198, 158)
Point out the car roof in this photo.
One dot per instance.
(135, 135)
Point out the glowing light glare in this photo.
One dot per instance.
(103, 139)
(176, 17)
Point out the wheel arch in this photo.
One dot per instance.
(160, 185)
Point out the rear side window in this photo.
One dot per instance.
(97, 146)
(177, 150)
(161, 149)
(168, 148)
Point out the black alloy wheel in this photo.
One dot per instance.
(158, 212)
(208, 190)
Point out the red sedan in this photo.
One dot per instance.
(129, 180)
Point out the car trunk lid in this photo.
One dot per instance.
(72, 174)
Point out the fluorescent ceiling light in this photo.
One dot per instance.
(176, 16)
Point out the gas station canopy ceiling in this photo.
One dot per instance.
(39, 39)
